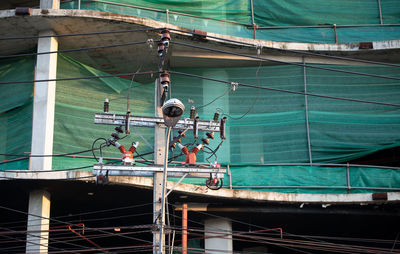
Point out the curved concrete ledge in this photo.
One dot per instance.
(115, 60)
(258, 196)
(88, 14)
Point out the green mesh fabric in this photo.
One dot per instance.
(273, 130)
(16, 109)
(271, 13)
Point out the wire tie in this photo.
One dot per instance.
(150, 42)
(234, 85)
(259, 48)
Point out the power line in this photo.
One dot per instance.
(192, 33)
(49, 155)
(285, 91)
(65, 223)
(284, 62)
(209, 36)
(120, 75)
(85, 213)
(288, 50)
(74, 50)
(254, 101)
(41, 237)
(79, 34)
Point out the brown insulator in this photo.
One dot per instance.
(160, 48)
(210, 135)
(216, 116)
(165, 36)
(205, 141)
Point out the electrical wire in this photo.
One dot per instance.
(286, 91)
(341, 248)
(65, 223)
(56, 170)
(244, 223)
(41, 237)
(141, 136)
(48, 155)
(215, 99)
(215, 150)
(100, 148)
(80, 78)
(74, 50)
(287, 50)
(254, 101)
(24, 241)
(79, 34)
(133, 77)
(209, 36)
(285, 62)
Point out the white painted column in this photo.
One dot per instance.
(218, 236)
(42, 137)
(49, 4)
(43, 104)
(38, 224)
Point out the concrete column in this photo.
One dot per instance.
(43, 104)
(49, 4)
(218, 236)
(42, 142)
(39, 212)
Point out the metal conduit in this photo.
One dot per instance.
(314, 187)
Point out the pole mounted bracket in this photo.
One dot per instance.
(143, 121)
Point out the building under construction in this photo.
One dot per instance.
(288, 142)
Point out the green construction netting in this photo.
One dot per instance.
(274, 14)
(273, 130)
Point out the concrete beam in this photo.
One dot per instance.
(191, 189)
(124, 59)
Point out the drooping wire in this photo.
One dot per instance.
(289, 50)
(66, 223)
(286, 91)
(215, 99)
(255, 100)
(133, 77)
(285, 62)
(73, 50)
(100, 147)
(79, 34)
(80, 78)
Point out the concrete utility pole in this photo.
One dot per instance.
(42, 137)
(159, 153)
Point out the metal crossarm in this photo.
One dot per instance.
(173, 171)
(144, 121)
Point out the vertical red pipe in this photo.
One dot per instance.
(184, 228)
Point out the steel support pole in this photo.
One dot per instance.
(252, 19)
(306, 109)
(184, 228)
(380, 12)
(161, 249)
